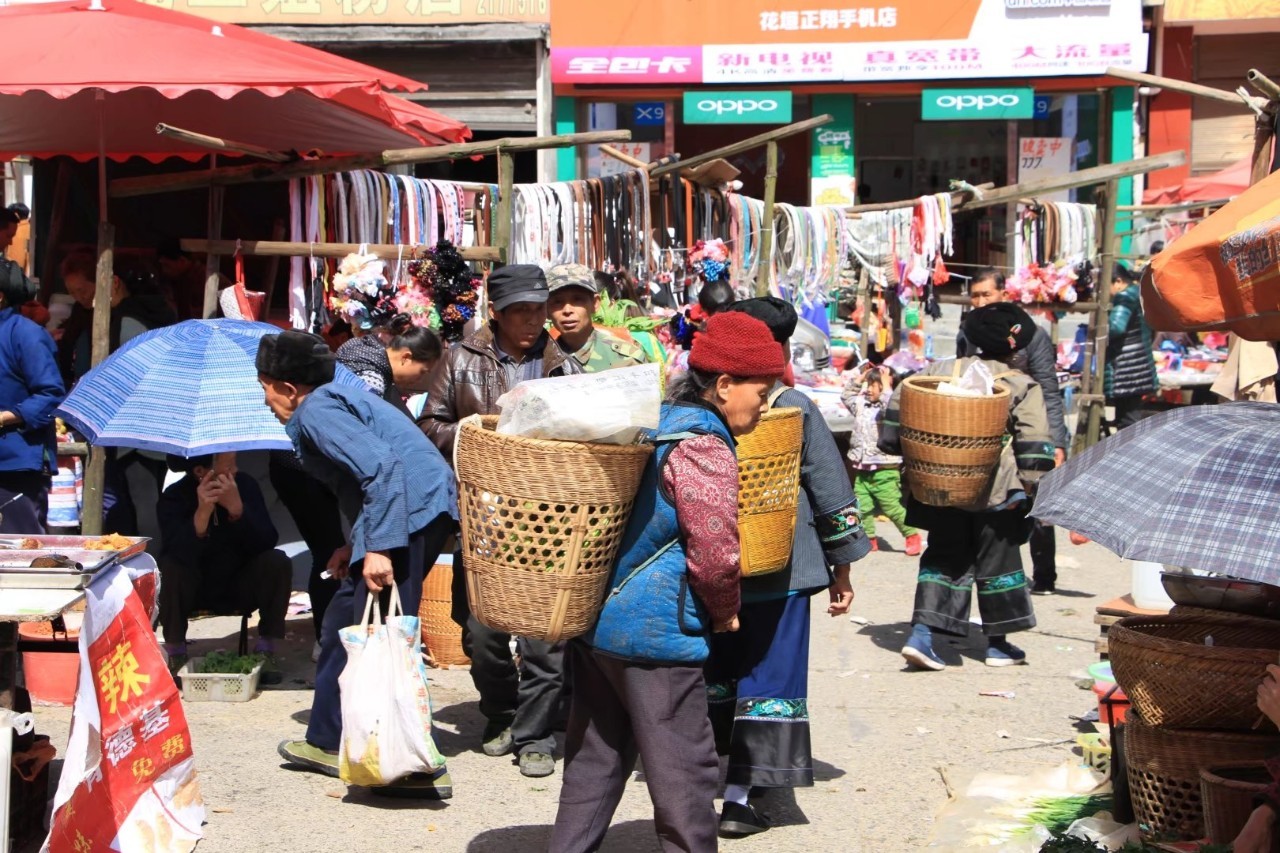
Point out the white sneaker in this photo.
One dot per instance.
(315, 653)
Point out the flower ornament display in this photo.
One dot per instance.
(361, 293)
(450, 291)
(711, 259)
(1035, 283)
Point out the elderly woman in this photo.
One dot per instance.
(638, 687)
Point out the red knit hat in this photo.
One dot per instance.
(737, 344)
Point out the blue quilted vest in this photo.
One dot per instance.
(649, 613)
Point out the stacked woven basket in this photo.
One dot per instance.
(1194, 740)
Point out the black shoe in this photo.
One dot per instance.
(739, 821)
(418, 786)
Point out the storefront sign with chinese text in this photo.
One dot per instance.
(785, 41)
(737, 107)
(977, 104)
(831, 165)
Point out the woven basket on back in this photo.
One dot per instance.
(441, 635)
(541, 525)
(1164, 771)
(1174, 679)
(1227, 793)
(768, 488)
(950, 444)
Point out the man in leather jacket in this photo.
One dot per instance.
(521, 704)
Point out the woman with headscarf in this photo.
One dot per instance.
(758, 678)
(638, 686)
(980, 545)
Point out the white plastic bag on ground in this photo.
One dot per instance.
(386, 712)
(612, 407)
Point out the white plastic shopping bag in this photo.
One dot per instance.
(386, 712)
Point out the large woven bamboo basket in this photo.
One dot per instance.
(541, 525)
(950, 445)
(1164, 767)
(768, 489)
(1173, 678)
(440, 634)
(1227, 793)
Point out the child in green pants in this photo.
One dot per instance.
(877, 479)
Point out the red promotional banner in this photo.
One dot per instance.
(143, 739)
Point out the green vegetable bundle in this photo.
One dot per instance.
(225, 662)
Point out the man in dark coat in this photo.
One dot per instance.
(520, 704)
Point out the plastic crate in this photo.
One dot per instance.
(217, 686)
(1097, 752)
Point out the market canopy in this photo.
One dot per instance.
(1228, 183)
(1223, 275)
(77, 73)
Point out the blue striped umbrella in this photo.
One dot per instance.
(188, 389)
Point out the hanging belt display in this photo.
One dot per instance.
(1055, 252)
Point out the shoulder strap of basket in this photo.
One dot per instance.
(776, 393)
(646, 564)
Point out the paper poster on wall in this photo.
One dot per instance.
(1045, 157)
(600, 165)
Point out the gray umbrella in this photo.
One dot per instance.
(1197, 487)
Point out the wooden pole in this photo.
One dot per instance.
(506, 205)
(279, 249)
(1073, 180)
(957, 198)
(1181, 86)
(151, 184)
(213, 262)
(744, 145)
(1101, 321)
(610, 151)
(218, 144)
(766, 222)
(95, 470)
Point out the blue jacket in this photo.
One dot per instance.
(390, 480)
(30, 386)
(650, 614)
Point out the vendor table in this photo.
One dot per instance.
(1112, 612)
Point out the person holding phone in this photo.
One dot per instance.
(219, 554)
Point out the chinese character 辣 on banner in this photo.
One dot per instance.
(129, 780)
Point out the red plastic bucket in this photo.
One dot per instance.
(51, 677)
(1112, 703)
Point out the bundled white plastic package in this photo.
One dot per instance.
(612, 407)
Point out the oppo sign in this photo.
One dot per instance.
(977, 104)
(717, 107)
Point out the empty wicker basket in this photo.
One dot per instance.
(440, 634)
(1164, 771)
(768, 488)
(541, 525)
(950, 444)
(1174, 679)
(1228, 792)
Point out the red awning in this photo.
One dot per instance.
(76, 73)
(1228, 183)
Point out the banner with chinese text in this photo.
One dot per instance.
(129, 780)
(775, 41)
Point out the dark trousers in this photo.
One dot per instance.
(261, 584)
(1044, 556)
(622, 710)
(968, 552)
(411, 565)
(314, 510)
(1128, 411)
(526, 698)
(29, 493)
